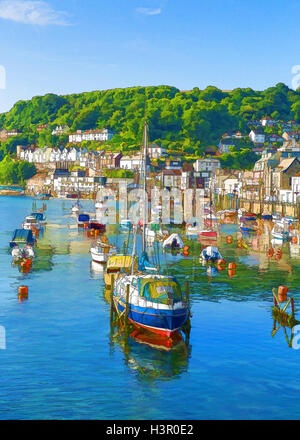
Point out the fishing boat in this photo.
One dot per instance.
(44, 196)
(280, 230)
(102, 251)
(22, 244)
(40, 217)
(266, 216)
(248, 216)
(248, 226)
(94, 224)
(207, 233)
(155, 302)
(31, 222)
(83, 221)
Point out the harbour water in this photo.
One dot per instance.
(61, 362)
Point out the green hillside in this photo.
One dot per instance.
(185, 122)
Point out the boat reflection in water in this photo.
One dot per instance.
(97, 270)
(287, 327)
(152, 357)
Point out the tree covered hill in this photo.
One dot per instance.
(182, 121)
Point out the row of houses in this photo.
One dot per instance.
(259, 137)
(275, 177)
(268, 121)
(83, 157)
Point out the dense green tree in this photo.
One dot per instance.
(183, 121)
(12, 171)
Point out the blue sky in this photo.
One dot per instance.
(72, 46)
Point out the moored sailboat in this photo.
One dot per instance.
(153, 301)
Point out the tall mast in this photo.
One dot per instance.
(145, 204)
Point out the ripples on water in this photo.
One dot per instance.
(62, 361)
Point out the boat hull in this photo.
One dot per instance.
(279, 236)
(160, 321)
(212, 235)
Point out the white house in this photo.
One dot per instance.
(131, 162)
(231, 185)
(60, 130)
(208, 164)
(155, 151)
(91, 135)
(257, 136)
(266, 121)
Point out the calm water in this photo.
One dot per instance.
(61, 363)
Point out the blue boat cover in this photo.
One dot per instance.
(144, 263)
(38, 216)
(22, 236)
(83, 218)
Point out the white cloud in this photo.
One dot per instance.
(149, 11)
(31, 12)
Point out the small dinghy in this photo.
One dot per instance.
(210, 254)
(173, 242)
(102, 251)
(76, 208)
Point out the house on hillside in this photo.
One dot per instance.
(207, 164)
(42, 127)
(171, 164)
(257, 136)
(133, 162)
(100, 135)
(290, 135)
(60, 130)
(267, 121)
(5, 134)
(225, 144)
(156, 151)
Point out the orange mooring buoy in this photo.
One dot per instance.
(282, 293)
(278, 254)
(294, 239)
(231, 266)
(270, 252)
(221, 262)
(22, 293)
(229, 239)
(185, 251)
(231, 273)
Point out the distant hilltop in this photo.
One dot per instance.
(187, 122)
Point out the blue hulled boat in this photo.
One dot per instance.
(83, 219)
(155, 302)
